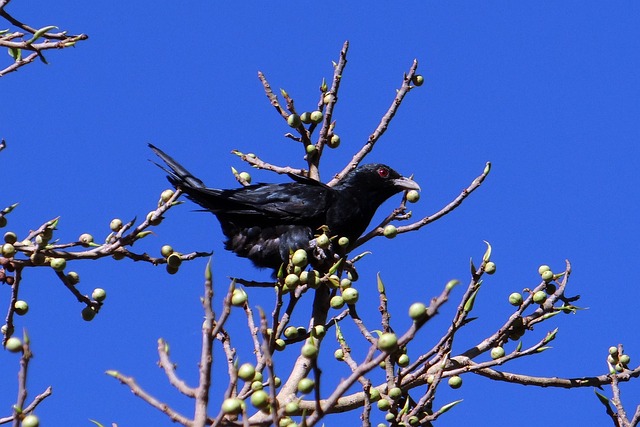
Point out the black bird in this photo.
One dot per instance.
(264, 222)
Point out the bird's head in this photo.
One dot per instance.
(376, 181)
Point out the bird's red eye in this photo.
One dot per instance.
(383, 172)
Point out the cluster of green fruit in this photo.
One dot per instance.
(618, 361)
(539, 297)
(260, 399)
(37, 258)
(313, 118)
(174, 259)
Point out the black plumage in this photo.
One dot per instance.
(264, 222)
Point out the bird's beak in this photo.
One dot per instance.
(406, 183)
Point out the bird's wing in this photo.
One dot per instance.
(262, 204)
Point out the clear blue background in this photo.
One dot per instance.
(547, 91)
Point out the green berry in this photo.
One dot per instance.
(350, 295)
(280, 344)
(246, 177)
(305, 117)
(116, 224)
(334, 141)
(337, 302)
(99, 294)
(390, 231)
(547, 276)
(14, 345)
(388, 342)
(490, 267)
(395, 393)
(322, 241)
(166, 195)
(613, 350)
(497, 352)
(413, 196)
(174, 260)
(170, 270)
(543, 268)
(318, 331)
(294, 120)
(58, 264)
(540, 297)
(316, 117)
(21, 307)
(256, 385)
(515, 299)
(417, 80)
(343, 242)
(305, 385)
(292, 280)
(403, 360)
(291, 408)
(374, 394)
(153, 218)
(246, 372)
(345, 283)
(260, 399)
(30, 421)
(299, 258)
(239, 297)
(625, 359)
(86, 239)
(8, 250)
(339, 354)
(37, 258)
(166, 250)
(10, 237)
(309, 351)
(311, 149)
(455, 382)
(73, 278)
(3, 221)
(232, 406)
(291, 332)
(417, 310)
(88, 314)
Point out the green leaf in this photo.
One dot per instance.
(519, 346)
(42, 58)
(380, 284)
(207, 270)
(335, 266)
(15, 53)
(451, 284)
(448, 406)
(96, 423)
(550, 315)
(487, 168)
(603, 399)
(39, 33)
(468, 306)
(551, 335)
(487, 254)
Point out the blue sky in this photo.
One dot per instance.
(546, 91)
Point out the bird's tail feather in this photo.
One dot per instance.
(177, 174)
